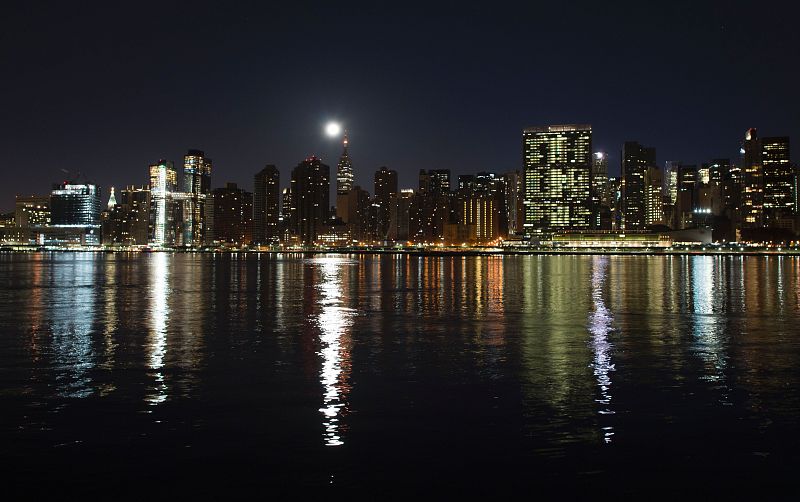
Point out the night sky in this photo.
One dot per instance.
(106, 89)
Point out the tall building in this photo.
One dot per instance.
(135, 201)
(163, 183)
(266, 205)
(431, 206)
(688, 180)
(196, 187)
(600, 178)
(32, 211)
(310, 186)
(514, 196)
(126, 221)
(752, 208)
(400, 216)
(232, 215)
(558, 176)
(636, 159)
(779, 205)
(77, 206)
(654, 200)
(385, 194)
(344, 180)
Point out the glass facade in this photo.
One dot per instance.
(558, 177)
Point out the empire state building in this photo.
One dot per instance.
(344, 172)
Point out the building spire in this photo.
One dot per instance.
(345, 141)
(112, 201)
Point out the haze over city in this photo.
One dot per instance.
(94, 89)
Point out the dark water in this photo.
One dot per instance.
(154, 375)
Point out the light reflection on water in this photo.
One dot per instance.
(334, 321)
(159, 315)
(543, 355)
(600, 321)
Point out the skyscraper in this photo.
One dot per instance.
(344, 180)
(163, 182)
(385, 194)
(752, 207)
(196, 186)
(232, 215)
(310, 188)
(600, 177)
(77, 206)
(636, 159)
(558, 176)
(266, 205)
(778, 182)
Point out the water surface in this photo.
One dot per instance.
(381, 375)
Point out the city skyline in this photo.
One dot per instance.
(410, 99)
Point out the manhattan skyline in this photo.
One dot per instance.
(106, 92)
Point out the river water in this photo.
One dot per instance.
(157, 374)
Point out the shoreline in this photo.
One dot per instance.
(791, 252)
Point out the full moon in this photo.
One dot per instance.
(333, 129)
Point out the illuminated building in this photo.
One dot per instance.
(310, 199)
(431, 206)
(478, 213)
(385, 194)
(558, 177)
(232, 216)
(687, 197)
(344, 181)
(32, 211)
(359, 214)
(752, 208)
(400, 215)
(778, 199)
(654, 200)
(636, 159)
(163, 183)
(515, 216)
(196, 187)
(76, 206)
(266, 206)
(600, 178)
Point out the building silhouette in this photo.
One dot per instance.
(266, 205)
(636, 160)
(310, 186)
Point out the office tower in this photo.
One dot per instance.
(431, 206)
(266, 205)
(654, 200)
(359, 216)
(615, 195)
(135, 203)
(163, 183)
(310, 186)
(287, 210)
(400, 215)
(196, 187)
(635, 161)
(435, 181)
(688, 179)
(232, 215)
(344, 181)
(514, 195)
(600, 178)
(558, 177)
(385, 194)
(752, 208)
(32, 211)
(77, 206)
(778, 179)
